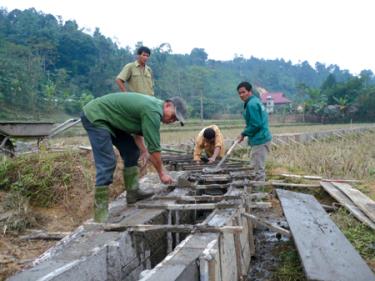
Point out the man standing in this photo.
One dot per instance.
(137, 75)
(130, 122)
(257, 131)
(211, 142)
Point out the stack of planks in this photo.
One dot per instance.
(361, 206)
(325, 252)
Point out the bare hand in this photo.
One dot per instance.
(144, 158)
(211, 160)
(240, 138)
(165, 178)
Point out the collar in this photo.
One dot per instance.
(137, 64)
(246, 101)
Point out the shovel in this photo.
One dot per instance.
(217, 169)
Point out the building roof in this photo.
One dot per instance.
(278, 98)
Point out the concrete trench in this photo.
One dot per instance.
(91, 253)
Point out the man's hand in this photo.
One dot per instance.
(165, 178)
(143, 158)
(211, 160)
(240, 138)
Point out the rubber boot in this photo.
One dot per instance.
(101, 204)
(131, 180)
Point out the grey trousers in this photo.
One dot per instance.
(258, 155)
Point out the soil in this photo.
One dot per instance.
(265, 262)
(72, 211)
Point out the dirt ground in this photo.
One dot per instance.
(72, 211)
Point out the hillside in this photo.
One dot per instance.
(48, 66)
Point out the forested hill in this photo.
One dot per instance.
(49, 66)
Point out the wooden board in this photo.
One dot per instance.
(325, 252)
(347, 203)
(359, 199)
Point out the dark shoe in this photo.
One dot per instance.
(101, 204)
(131, 180)
(133, 196)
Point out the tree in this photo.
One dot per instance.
(198, 56)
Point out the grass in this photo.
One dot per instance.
(290, 268)
(361, 236)
(39, 180)
(41, 177)
(352, 157)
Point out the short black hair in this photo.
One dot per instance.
(209, 134)
(143, 49)
(246, 85)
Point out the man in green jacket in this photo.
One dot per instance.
(257, 131)
(131, 123)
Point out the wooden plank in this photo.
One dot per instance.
(284, 184)
(172, 228)
(43, 235)
(171, 206)
(201, 198)
(271, 226)
(325, 252)
(359, 199)
(347, 203)
(315, 178)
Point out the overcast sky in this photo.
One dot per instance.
(328, 31)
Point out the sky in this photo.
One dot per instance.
(325, 31)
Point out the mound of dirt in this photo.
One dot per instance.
(72, 182)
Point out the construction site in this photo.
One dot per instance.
(214, 224)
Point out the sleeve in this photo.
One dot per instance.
(125, 73)
(198, 147)
(151, 131)
(254, 123)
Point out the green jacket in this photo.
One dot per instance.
(256, 118)
(129, 112)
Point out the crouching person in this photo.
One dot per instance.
(131, 123)
(209, 142)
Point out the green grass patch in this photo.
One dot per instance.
(290, 268)
(43, 178)
(360, 235)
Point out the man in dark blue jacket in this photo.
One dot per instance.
(256, 131)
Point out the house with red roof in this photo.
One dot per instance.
(274, 100)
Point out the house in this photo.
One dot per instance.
(274, 100)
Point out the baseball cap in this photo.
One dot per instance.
(180, 107)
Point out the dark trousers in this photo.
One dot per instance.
(102, 142)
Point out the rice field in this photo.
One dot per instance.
(230, 130)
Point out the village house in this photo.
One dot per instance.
(275, 101)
